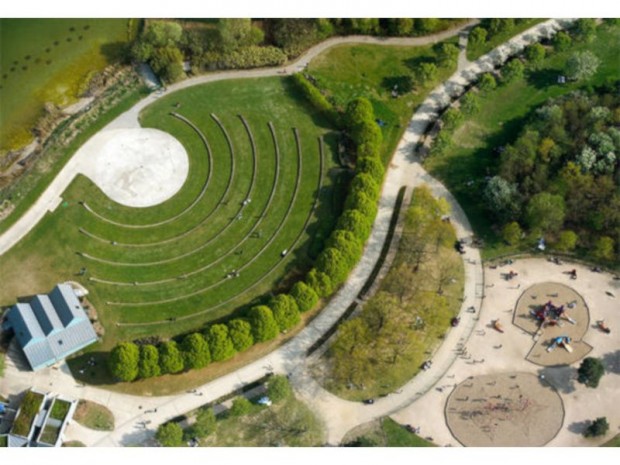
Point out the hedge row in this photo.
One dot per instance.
(315, 97)
(129, 361)
(252, 56)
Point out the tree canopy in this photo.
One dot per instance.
(123, 361)
(170, 435)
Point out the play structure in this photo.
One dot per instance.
(560, 341)
(550, 315)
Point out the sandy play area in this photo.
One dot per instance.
(507, 409)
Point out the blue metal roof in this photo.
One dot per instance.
(50, 328)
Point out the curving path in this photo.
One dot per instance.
(339, 415)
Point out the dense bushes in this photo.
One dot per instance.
(315, 97)
(248, 57)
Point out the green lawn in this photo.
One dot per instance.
(503, 112)
(349, 71)
(289, 423)
(181, 264)
(613, 442)
(475, 52)
(50, 60)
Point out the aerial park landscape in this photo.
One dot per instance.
(299, 232)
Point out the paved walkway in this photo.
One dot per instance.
(339, 415)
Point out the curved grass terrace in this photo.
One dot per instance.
(207, 251)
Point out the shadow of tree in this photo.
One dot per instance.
(561, 378)
(612, 362)
(402, 83)
(543, 78)
(578, 427)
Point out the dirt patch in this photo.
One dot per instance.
(504, 410)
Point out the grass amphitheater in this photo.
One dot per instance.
(262, 180)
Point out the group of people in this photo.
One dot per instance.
(550, 315)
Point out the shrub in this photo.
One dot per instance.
(598, 427)
(562, 41)
(334, 264)
(285, 311)
(470, 103)
(347, 244)
(513, 71)
(487, 82)
(604, 248)
(170, 358)
(585, 29)
(590, 372)
(477, 36)
(304, 295)
(170, 435)
(195, 351)
(278, 388)
(264, 326)
(240, 332)
(363, 182)
(512, 233)
(319, 282)
(427, 72)
(361, 201)
(567, 240)
(148, 365)
(315, 97)
(535, 54)
(205, 423)
(372, 166)
(252, 57)
(220, 344)
(123, 361)
(452, 118)
(240, 406)
(355, 222)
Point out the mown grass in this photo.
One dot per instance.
(371, 71)
(50, 60)
(502, 114)
(476, 51)
(94, 416)
(289, 423)
(613, 442)
(48, 253)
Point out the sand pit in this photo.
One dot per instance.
(504, 410)
(559, 294)
(137, 167)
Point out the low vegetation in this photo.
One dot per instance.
(60, 409)
(29, 407)
(94, 416)
(377, 351)
(384, 433)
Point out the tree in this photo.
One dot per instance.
(452, 118)
(447, 54)
(264, 326)
(585, 29)
(195, 351)
(123, 361)
(278, 388)
(370, 165)
(235, 33)
(319, 282)
(499, 25)
(598, 427)
(535, 54)
(501, 198)
(567, 240)
(358, 111)
(356, 222)
(220, 344)
(240, 406)
(205, 423)
(512, 71)
(285, 311)
(162, 33)
(487, 82)
(304, 295)
(582, 66)
(168, 63)
(427, 72)
(512, 233)
(170, 435)
(400, 26)
(170, 358)
(334, 264)
(477, 36)
(148, 365)
(347, 244)
(349, 352)
(604, 248)
(562, 41)
(546, 212)
(470, 103)
(590, 371)
(365, 183)
(240, 332)
(427, 25)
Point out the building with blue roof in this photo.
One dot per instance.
(50, 327)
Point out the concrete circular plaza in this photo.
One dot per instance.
(504, 409)
(137, 167)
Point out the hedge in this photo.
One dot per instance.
(304, 295)
(315, 97)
